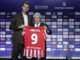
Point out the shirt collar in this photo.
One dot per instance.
(38, 24)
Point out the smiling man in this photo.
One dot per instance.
(39, 23)
(19, 21)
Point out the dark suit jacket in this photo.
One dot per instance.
(41, 25)
(17, 21)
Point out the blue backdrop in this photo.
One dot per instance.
(62, 17)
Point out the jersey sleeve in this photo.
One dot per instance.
(45, 35)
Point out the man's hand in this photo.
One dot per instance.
(21, 26)
(45, 27)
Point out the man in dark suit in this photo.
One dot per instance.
(38, 23)
(19, 21)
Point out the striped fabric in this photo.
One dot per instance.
(34, 42)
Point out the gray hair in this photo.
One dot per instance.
(37, 14)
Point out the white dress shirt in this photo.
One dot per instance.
(37, 25)
(25, 19)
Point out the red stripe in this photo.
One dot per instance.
(28, 52)
(33, 52)
(36, 53)
(40, 53)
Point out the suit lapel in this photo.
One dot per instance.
(21, 16)
(34, 25)
(41, 24)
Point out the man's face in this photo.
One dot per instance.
(25, 8)
(37, 19)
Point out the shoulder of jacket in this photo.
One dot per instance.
(44, 24)
(18, 13)
(29, 15)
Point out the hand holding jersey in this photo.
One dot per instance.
(21, 26)
(34, 42)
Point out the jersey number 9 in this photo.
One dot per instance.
(34, 38)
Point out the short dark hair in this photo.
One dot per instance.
(26, 3)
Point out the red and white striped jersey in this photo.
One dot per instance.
(34, 42)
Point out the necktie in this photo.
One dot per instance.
(37, 25)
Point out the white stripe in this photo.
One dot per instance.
(38, 53)
(31, 53)
(27, 52)
(45, 33)
(34, 53)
